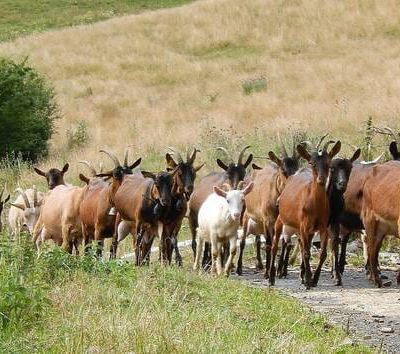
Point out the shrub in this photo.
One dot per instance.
(252, 85)
(27, 111)
(77, 135)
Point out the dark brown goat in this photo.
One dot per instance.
(304, 210)
(54, 176)
(182, 188)
(141, 200)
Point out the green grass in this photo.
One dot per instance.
(60, 303)
(20, 17)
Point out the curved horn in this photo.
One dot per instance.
(240, 158)
(90, 167)
(327, 144)
(176, 153)
(307, 142)
(320, 141)
(24, 196)
(284, 152)
(226, 152)
(372, 162)
(126, 157)
(35, 197)
(112, 157)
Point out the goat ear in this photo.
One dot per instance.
(248, 161)
(65, 168)
(148, 174)
(83, 178)
(275, 158)
(303, 152)
(136, 163)
(7, 199)
(39, 172)
(255, 167)
(335, 150)
(248, 188)
(219, 192)
(393, 150)
(197, 169)
(108, 174)
(19, 206)
(222, 165)
(170, 161)
(356, 155)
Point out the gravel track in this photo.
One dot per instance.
(359, 307)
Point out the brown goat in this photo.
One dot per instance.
(350, 219)
(97, 223)
(54, 176)
(304, 210)
(262, 201)
(234, 173)
(380, 211)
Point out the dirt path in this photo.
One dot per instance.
(358, 306)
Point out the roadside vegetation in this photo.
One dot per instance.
(62, 303)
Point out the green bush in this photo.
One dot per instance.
(27, 111)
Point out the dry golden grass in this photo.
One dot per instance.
(167, 77)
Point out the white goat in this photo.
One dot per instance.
(25, 210)
(219, 220)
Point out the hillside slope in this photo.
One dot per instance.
(176, 76)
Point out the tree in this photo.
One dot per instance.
(27, 111)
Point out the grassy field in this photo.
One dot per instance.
(220, 72)
(60, 303)
(21, 17)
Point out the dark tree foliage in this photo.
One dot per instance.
(27, 111)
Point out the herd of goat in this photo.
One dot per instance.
(332, 197)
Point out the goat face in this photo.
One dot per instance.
(319, 160)
(234, 199)
(235, 172)
(340, 170)
(288, 165)
(54, 176)
(186, 174)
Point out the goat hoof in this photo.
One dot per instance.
(338, 283)
(259, 267)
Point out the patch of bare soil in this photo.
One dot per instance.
(369, 314)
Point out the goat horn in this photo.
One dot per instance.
(91, 168)
(327, 144)
(284, 152)
(307, 142)
(372, 162)
(112, 157)
(320, 141)
(226, 152)
(24, 196)
(240, 162)
(35, 197)
(176, 153)
(192, 156)
(126, 157)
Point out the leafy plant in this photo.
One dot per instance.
(27, 111)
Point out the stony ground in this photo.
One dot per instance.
(369, 314)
